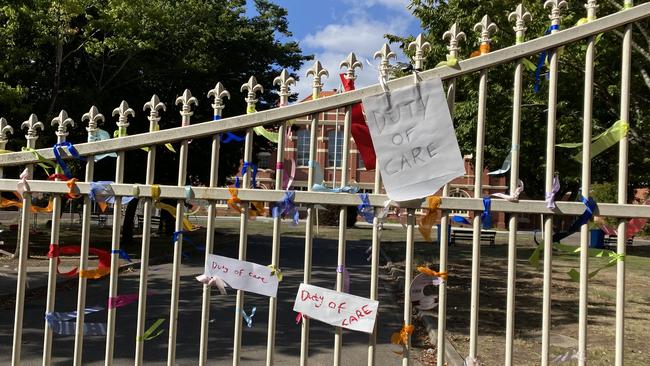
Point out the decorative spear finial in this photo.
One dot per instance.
(154, 105)
(219, 92)
(63, 121)
(486, 27)
(252, 87)
(591, 7)
(123, 111)
(94, 118)
(556, 7)
(4, 130)
(32, 125)
(454, 35)
(284, 80)
(186, 100)
(350, 63)
(520, 15)
(385, 54)
(420, 46)
(317, 71)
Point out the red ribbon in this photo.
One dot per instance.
(360, 131)
(104, 258)
(54, 251)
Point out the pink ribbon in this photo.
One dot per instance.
(288, 178)
(23, 186)
(213, 281)
(122, 300)
(512, 197)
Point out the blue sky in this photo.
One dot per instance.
(331, 29)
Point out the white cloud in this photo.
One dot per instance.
(334, 42)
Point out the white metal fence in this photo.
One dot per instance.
(277, 117)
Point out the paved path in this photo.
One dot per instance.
(222, 314)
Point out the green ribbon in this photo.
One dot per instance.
(451, 62)
(167, 145)
(568, 249)
(614, 258)
(528, 64)
(519, 39)
(601, 142)
(148, 334)
(261, 131)
(42, 162)
(627, 5)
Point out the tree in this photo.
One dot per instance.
(438, 16)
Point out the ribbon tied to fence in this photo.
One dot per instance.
(601, 142)
(286, 207)
(402, 337)
(542, 59)
(248, 318)
(426, 223)
(244, 171)
(429, 272)
(365, 210)
(65, 145)
(213, 281)
(61, 324)
(514, 197)
(550, 196)
(486, 218)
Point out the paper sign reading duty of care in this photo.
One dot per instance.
(242, 275)
(336, 308)
(414, 140)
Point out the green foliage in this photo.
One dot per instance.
(438, 16)
(72, 54)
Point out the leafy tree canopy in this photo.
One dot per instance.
(438, 16)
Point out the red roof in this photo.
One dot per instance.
(324, 93)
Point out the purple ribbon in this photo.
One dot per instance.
(550, 196)
(286, 207)
(346, 277)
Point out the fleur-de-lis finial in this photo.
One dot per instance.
(32, 124)
(556, 8)
(520, 15)
(284, 80)
(317, 71)
(63, 121)
(385, 54)
(486, 27)
(154, 105)
(454, 35)
(420, 46)
(252, 87)
(186, 100)
(123, 111)
(94, 118)
(591, 7)
(219, 92)
(350, 63)
(5, 129)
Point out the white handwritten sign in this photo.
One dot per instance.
(414, 139)
(242, 275)
(336, 308)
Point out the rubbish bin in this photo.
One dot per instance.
(448, 233)
(597, 238)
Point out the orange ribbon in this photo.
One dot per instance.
(257, 209)
(482, 50)
(95, 274)
(426, 223)
(4, 203)
(429, 272)
(234, 202)
(403, 336)
(72, 186)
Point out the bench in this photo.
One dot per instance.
(155, 220)
(458, 234)
(100, 218)
(612, 240)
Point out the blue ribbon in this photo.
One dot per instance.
(177, 234)
(365, 210)
(228, 136)
(460, 220)
(244, 170)
(123, 254)
(102, 188)
(248, 318)
(61, 324)
(542, 59)
(286, 207)
(345, 189)
(486, 219)
(73, 152)
(590, 207)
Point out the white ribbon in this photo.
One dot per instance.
(514, 197)
(23, 186)
(213, 281)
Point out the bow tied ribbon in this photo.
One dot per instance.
(429, 272)
(65, 145)
(402, 337)
(286, 207)
(275, 271)
(542, 59)
(213, 281)
(244, 170)
(23, 186)
(486, 218)
(426, 223)
(365, 210)
(234, 201)
(550, 196)
(248, 318)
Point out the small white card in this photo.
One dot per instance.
(414, 139)
(241, 275)
(336, 308)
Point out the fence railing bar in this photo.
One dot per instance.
(278, 115)
(374, 266)
(83, 266)
(626, 71)
(115, 258)
(144, 257)
(585, 191)
(376, 200)
(408, 278)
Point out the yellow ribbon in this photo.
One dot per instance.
(601, 142)
(403, 336)
(234, 202)
(155, 192)
(275, 271)
(261, 131)
(42, 162)
(451, 62)
(429, 272)
(167, 145)
(94, 274)
(426, 223)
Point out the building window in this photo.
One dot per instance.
(360, 163)
(263, 160)
(459, 193)
(334, 148)
(302, 147)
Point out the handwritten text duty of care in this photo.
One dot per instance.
(242, 275)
